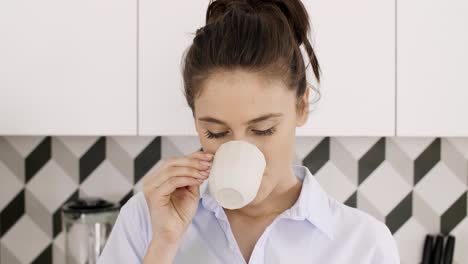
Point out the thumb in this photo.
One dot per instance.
(195, 190)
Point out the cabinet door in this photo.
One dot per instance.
(167, 29)
(355, 46)
(432, 60)
(68, 67)
(354, 42)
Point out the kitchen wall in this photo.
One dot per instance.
(415, 185)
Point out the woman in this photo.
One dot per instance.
(244, 79)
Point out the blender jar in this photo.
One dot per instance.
(87, 223)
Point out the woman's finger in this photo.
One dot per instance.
(169, 186)
(177, 172)
(187, 160)
(164, 171)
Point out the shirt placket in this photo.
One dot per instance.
(231, 240)
(257, 255)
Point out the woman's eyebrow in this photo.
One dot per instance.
(255, 120)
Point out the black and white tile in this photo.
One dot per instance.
(414, 185)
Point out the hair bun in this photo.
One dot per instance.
(297, 17)
(293, 10)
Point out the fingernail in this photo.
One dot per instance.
(205, 163)
(204, 173)
(208, 155)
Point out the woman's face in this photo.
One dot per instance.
(230, 99)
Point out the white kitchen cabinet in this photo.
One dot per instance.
(68, 67)
(354, 43)
(432, 67)
(166, 29)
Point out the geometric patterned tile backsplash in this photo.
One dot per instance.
(414, 185)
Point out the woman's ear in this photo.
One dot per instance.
(303, 112)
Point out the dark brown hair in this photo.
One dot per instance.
(252, 35)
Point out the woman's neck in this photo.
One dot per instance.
(281, 198)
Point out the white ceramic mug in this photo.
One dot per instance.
(236, 173)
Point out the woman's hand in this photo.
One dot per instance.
(172, 194)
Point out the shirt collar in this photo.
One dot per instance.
(312, 204)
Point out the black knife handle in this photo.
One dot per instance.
(448, 251)
(428, 243)
(438, 250)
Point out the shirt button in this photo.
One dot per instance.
(231, 247)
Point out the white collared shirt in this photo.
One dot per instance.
(316, 229)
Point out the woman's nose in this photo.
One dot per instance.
(243, 138)
(243, 135)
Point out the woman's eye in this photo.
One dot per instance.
(267, 132)
(212, 135)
